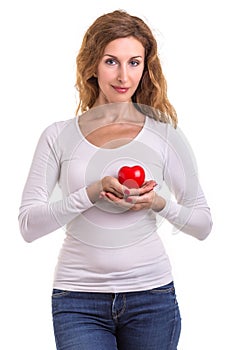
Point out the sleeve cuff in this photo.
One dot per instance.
(85, 199)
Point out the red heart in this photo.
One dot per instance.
(131, 177)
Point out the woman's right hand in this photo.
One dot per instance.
(107, 184)
(112, 185)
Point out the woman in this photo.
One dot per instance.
(113, 287)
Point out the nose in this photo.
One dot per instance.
(122, 74)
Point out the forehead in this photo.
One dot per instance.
(129, 45)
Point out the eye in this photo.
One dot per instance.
(110, 61)
(134, 63)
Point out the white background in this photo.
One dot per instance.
(201, 45)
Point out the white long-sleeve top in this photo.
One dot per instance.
(107, 248)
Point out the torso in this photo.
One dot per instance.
(105, 246)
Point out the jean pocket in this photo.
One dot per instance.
(58, 293)
(166, 289)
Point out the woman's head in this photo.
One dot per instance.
(120, 70)
(151, 90)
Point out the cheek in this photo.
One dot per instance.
(104, 77)
(137, 78)
(140, 73)
(102, 80)
(101, 74)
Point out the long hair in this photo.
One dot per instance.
(150, 96)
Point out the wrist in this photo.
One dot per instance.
(158, 204)
(94, 190)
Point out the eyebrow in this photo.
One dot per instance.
(116, 56)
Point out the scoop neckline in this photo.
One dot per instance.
(110, 149)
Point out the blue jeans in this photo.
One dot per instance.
(145, 320)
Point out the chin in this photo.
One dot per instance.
(121, 99)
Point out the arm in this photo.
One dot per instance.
(189, 211)
(39, 216)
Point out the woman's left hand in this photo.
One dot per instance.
(138, 198)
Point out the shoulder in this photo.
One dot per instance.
(61, 137)
(157, 128)
(169, 137)
(55, 129)
(166, 131)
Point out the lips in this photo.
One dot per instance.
(120, 90)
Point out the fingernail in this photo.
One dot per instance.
(128, 200)
(127, 192)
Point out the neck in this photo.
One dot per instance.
(121, 112)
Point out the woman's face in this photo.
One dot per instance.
(120, 70)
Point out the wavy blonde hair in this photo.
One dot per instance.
(150, 96)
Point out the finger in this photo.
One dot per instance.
(120, 190)
(143, 201)
(102, 194)
(119, 201)
(140, 206)
(132, 192)
(115, 191)
(107, 195)
(147, 187)
(149, 184)
(118, 194)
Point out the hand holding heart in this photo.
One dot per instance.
(143, 197)
(128, 178)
